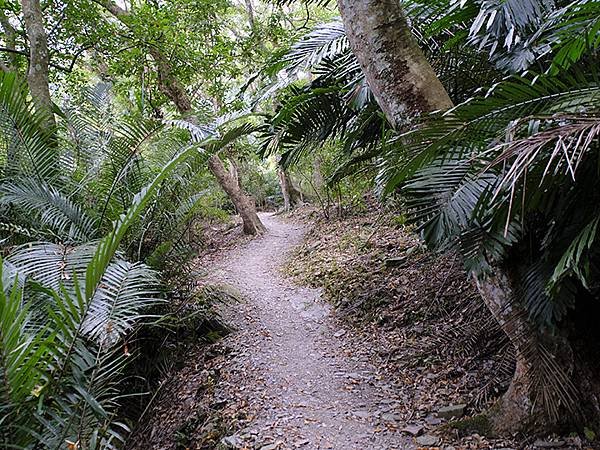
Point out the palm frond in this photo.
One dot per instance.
(125, 291)
(23, 352)
(24, 134)
(55, 210)
(325, 42)
(444, 198)
(570, 33)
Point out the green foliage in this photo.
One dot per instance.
(69, 302)
(501, 176)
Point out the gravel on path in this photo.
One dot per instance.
(289, 363)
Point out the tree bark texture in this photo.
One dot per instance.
(242, 202)
(291, 195)
(39, 60)
(541, 393)
(234, 171)
(318, 180)
(10, 40)
(401, 78)
(250, 12)
(169, 85)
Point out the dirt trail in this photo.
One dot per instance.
(292, 365)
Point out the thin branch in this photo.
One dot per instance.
(26, 55)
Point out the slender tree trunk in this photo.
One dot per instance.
(318, 181)
(401, 78)
(250, 13)
(10, 40)
(403, 82)
(242, 202)
(287, 204)
(170, 86)
(168, 83)
(39, 60)
(291, 195)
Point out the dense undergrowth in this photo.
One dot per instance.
(100, 217)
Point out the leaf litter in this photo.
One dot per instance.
(349, 336)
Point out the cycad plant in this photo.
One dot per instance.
(507, 177)
(69, 297)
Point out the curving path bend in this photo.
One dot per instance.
(292, 366)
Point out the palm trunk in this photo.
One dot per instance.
(243, 203)
(403, 82)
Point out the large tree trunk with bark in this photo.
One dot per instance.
(541, 391)
(39, 59)
(403, 82)
(243, 203)
(398, 73)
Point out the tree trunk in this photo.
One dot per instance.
(403, 82)
(250, 12)
(234, 171)
(291, 195)
(242, 202)
(168, 83)
(170, 86)
(10, 40)
(318, 181)
(401, 78)
(39, 60)
(541, 392)
(287, 204)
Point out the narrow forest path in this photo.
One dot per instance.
(292, 367)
